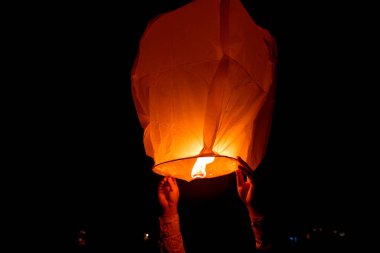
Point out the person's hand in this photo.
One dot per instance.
(246, 188)
(168, 196)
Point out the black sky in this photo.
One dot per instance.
(102, 177)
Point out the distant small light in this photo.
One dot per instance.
(314, 229)
(320, 229)
(81, 238)
(335, 231)
(293, 239)
(342, 234)
(308, 236)
(146, 236)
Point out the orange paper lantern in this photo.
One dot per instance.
(203, 88)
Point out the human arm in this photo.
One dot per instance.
(246, 191)
(170, 233)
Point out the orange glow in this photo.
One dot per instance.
(203, 86)
(199, 168)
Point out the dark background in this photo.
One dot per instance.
(98, 178)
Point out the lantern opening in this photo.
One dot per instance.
(197, 167)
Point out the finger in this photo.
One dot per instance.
(244, 164)
(239, 178)
(172, 184)
(242, 161)
(174, 181)
(165, 182)
(161, 183)
(244, 170)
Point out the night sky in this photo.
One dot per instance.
(102, 179)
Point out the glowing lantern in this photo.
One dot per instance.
(203, 88)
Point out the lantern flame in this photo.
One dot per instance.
(199, 168)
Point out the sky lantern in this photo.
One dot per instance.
(203, 88)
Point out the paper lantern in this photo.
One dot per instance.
(203, 88)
